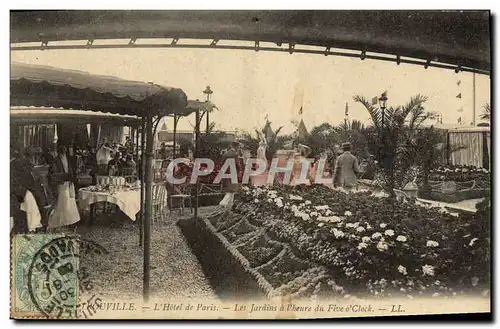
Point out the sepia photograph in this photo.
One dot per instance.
(250, 164)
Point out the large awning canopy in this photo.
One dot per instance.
(34, 85)
(43, 115)
(460, 38)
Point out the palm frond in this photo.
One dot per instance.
(486, 115)
(374, 112)
(415, 110)
(278, 130)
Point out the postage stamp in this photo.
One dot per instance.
(48, 280)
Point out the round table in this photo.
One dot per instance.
(128, 200)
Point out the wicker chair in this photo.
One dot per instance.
(159, 201)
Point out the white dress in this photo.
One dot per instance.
(66, 211)
(261, 151)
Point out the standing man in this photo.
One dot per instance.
(230, 187)
(103, 156)
(162, 152)
(62, 175)
(346, 169)
(129, 145)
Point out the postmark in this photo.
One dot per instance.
(49, 279)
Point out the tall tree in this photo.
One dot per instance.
(393, 129)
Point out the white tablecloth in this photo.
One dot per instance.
(128, 201)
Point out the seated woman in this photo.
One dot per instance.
(115, 165)
(129, 167)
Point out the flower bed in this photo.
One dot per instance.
(374, 246)
(460, 174)
(316, 242)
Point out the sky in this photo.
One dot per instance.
(249, 85)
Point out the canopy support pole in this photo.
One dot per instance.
(136, 146)
(148, 204)
(197, 154)
(176, 120)
(142, 169)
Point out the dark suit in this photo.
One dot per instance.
(57, 174)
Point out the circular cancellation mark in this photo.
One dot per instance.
(55, 278)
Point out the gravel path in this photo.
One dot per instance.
(175, 271)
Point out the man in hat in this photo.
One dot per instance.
(347, 169)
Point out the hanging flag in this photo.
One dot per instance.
(459, 82)
(459, 95)
(374, 100)
(346, 110)
(298, 100)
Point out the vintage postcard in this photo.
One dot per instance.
(249, 164)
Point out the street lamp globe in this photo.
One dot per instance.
(208, 92)
(383, 101)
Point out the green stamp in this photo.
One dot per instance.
(23, 250)
(48, 278)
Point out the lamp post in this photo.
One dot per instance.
(383, 104)
(208, 92)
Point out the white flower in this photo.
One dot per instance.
(295, 197)
(334, 219)
(348, 213)
(321, 224)
(270, 200)
(349, 225)
(431, 244)
(389, 232)
(338, 233)
(401, 238)
(368, 227)
(471, 243)
(360, 229)
(365, 239)
(313, 213)
(383, 225)
(328, 212)
(428, 270)
(402, 270)
(362, 245)
(376, 235)
(382, 246)
(325, 207)
(437, 282)
(307, 202)
(246, 188)
(256, 200)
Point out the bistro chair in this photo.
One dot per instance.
(159, 201)
(183, 194)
